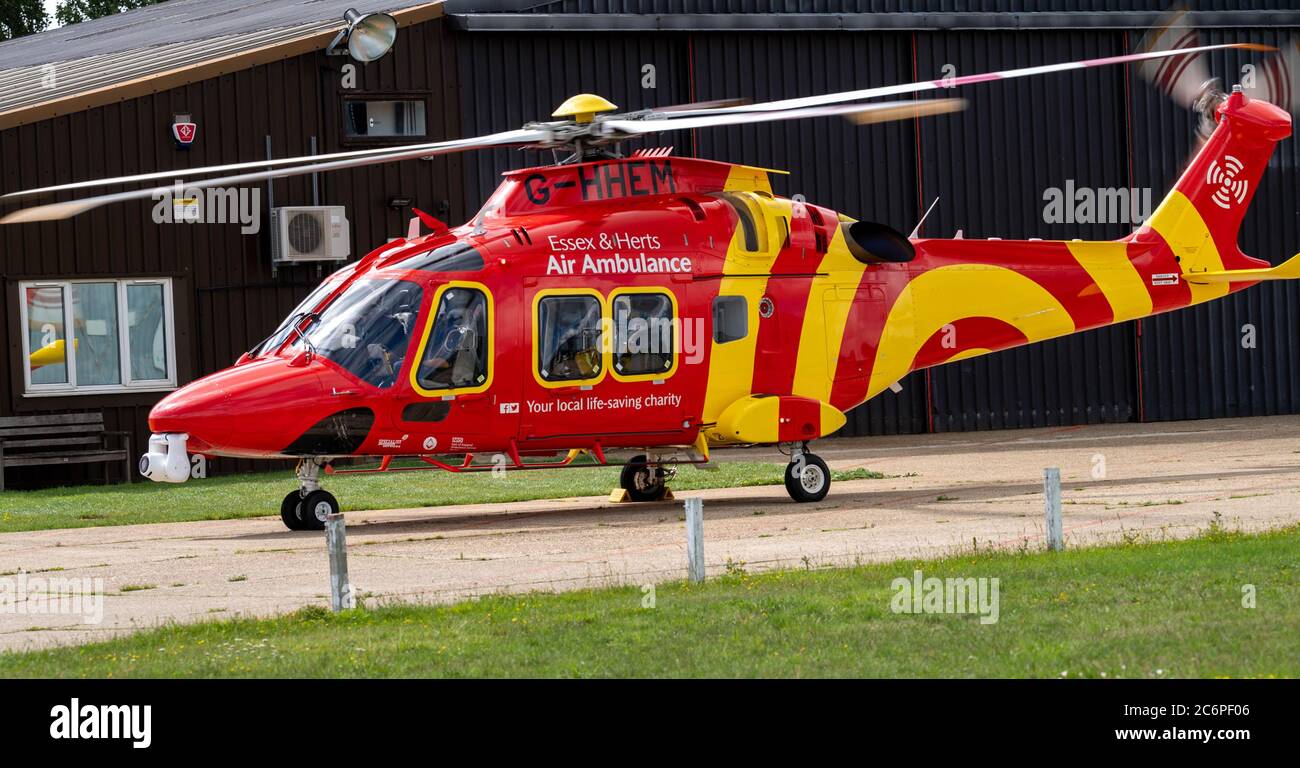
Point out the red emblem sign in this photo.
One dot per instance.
(185, 133)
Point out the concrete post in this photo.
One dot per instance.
(1052, 508)
(336, 541)
(695, 540)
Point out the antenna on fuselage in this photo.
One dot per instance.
(924, 216)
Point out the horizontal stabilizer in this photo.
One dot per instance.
(1287, 270)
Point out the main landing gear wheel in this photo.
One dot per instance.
(807, 478)
(315, 507)
(642, 481)
(291, 511)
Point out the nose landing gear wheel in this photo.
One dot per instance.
(291, 511)
(315, 507)
(642, 481)
(807, 478)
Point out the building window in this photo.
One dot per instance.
(384, 118)
(730, 318)
(83, 336)
(643, 334)
(568, 338)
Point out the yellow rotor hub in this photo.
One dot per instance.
(583, 107)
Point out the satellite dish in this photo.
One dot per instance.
(370, 35)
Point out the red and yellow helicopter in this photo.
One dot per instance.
(641, 310)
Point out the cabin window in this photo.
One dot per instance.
(86, 336)
(730, 318)
(367, 329)
(456, 355)
(643, 334)
(384, 118)
(568, 338)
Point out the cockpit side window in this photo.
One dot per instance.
(568, 338)
(456, 353)
(367, 330)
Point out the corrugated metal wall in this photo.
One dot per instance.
(990, 166)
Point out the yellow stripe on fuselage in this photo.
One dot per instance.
(945, 295)
(1109, 267)
(824, 320)
(1183, 229)
(731, 365)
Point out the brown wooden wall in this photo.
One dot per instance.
(226, 297)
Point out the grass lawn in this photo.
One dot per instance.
(1166, 609)
(255, 495)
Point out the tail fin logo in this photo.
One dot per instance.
(1231, 190)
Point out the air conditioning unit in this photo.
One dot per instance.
(309, 233)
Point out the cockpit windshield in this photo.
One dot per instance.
(367, 330)
(281, 334)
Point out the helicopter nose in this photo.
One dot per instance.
(255, 409)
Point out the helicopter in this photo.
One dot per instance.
(642, 310)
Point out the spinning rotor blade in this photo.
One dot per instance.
(1188, 82)
(699, 105)
(929, 85)
(190, 172)
(877, 112)
(1183, 79)
(54, 211)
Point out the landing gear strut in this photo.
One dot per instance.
(644, 481)
(306, 508)
(807, 477)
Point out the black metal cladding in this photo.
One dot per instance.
(990, 165)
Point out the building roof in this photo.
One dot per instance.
(165, 45)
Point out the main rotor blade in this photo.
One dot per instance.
(876, 112)
(929, 85)
(54, 211)
(181, 173)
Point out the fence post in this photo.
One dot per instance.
(695, 540)
(1052, 508)
(336, 541)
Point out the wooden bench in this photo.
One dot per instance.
(62, 438)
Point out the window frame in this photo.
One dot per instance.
(613, 327)
(128, 384)
(535, 320)
(420, 96)
(430, 314)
